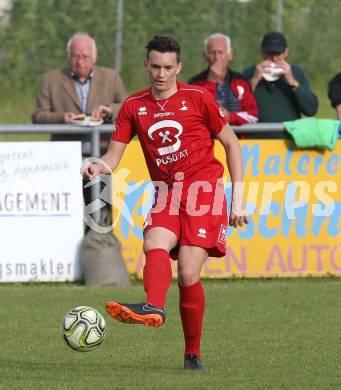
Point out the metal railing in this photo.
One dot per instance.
(95, 132)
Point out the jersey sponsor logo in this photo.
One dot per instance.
(161, 129)
(183, 107)
(202, 233)
(171, 158)
(143, 111)
(222, 234)
(163, 114)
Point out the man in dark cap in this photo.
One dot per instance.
(281, 89)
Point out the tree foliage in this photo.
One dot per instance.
(34, 34)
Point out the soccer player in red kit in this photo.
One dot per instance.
(188, 221)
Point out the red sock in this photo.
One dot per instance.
(157, 276)
(192, 306)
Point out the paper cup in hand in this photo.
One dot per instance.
(272, 72)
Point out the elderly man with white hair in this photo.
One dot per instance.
(230, 89)
(81, 88)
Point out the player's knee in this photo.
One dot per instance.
(159, 239)
(187, 276)
(153, 243)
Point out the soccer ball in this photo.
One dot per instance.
(83, 328)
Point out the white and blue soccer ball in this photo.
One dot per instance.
(83, 328)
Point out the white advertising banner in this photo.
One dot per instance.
(41, 211)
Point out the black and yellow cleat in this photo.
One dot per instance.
(193, 362)
(140, 313)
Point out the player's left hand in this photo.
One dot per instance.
(238, 215)
(238, 220)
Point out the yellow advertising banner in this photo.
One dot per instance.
(293, 198)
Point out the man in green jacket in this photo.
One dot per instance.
(281, 89)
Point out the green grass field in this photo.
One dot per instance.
(258, 334)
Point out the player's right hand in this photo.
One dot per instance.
(90, 170)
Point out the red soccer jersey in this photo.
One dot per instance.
(175, 133)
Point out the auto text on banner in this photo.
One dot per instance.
(293, 197)
(41, 211)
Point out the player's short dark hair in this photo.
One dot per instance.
(164, 45)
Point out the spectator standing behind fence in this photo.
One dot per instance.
(281, 89)
(82, 87)
(229, 88)
(334, 94)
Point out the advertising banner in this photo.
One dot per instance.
(293, 198)
(41, 211)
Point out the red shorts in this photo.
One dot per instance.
(197, 215)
